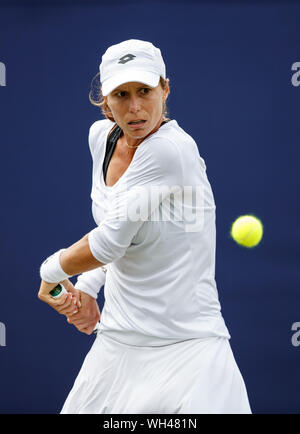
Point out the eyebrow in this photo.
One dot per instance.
(140, 87)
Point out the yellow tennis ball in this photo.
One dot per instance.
(247, 230)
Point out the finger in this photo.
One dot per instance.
(87, 326)
(69, 311)
(73, 300)
(75, 294)
(53, 302)
(79, 327)
(70, 288)
(76, 301)
(73, 308)
(88, 330)
(75, 319)
(81, 324)
(69, 306)
(64, 301)
(72, 312)
(45, 289)
(78, 323)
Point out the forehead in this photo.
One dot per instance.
(131, 85)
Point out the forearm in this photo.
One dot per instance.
(78, 258)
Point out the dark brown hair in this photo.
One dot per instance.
(96, 98)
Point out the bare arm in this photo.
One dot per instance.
(75, 259)
(78, 258)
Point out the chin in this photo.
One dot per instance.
(139, 134)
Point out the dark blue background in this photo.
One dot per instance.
(229, 66)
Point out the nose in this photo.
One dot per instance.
(134, 104)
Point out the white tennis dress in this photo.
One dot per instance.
(162, 344)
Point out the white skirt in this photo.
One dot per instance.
(192, 377)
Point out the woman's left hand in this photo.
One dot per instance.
(68, 304)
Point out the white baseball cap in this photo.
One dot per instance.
(131, 60)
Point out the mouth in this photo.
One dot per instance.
(137, 122)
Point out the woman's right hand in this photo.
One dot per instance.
(72, 302)
(68, 304)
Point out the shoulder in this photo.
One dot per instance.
(160, 157)
(98, 130)
(162, 150)
(167, 144)
(100, 124)
(186, 145)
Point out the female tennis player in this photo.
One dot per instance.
(162, 345)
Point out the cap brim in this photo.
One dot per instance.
(144, 77)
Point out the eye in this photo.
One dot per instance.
(145, 90)
(121, 93)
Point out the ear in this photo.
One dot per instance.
(167, 89)
(106, 106)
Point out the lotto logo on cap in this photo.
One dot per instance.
(131, 60)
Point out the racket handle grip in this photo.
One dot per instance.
(58, 291)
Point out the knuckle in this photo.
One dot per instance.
(72, 313)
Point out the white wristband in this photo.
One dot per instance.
(90, 282)
(51, 270)
(86, 290)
